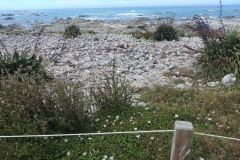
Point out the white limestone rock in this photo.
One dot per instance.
(229, 79)
(213, 84)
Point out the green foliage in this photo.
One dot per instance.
(91, 32)
(16, 32)
(144, 35)
(164, 103)
(221, 52)
(222, 55)
(95, 39)
(72, 31)
(165, 32)
(23, 63)
(45, 108)
(130, 27)
(114, 92)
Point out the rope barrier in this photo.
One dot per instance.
(211, 135)
(86, 134)
(113, 133)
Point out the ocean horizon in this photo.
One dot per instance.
(28, 17)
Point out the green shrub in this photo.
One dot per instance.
(112, 93)
(30, 108)
(95, 39)
(91, 32)
(221, 52)
(23, 63)
(165, 32)
(72, 31)
(145, 35)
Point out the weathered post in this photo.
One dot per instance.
(182, 140)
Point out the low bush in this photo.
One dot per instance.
(72, 31)
(91, 32)
(23, 63)
(45, 108)
(144, 35)
(165, 32)
(114, 92)
(221, 52)
(95, 39)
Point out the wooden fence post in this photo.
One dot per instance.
(182, 140)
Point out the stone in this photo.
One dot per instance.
(9, 18)
(213, 84)
(229, 79)
(188, 84)
(141, 104)
(142, 62)
(180, 86)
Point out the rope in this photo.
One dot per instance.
(86, 134)
(211, 135)
(112, 133)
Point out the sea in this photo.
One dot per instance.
(28, 17)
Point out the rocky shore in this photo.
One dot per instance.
(143, 62)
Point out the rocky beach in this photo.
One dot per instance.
(143, 62)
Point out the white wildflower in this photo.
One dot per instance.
(138, 136)
(135, 129)
(149, 122)
(176, 115)
(65, 140)
(104, 125)
(111, 158)
(68, 153)
(84, 154)
(97, 120)
(117, 117)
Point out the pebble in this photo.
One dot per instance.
(141, 61)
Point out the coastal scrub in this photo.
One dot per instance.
(72, 31)
(165, 32)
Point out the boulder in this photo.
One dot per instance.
(7, 14)
(9, 18)
(229, 79)
(11, 27)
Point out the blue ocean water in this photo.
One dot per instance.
(27, 17)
